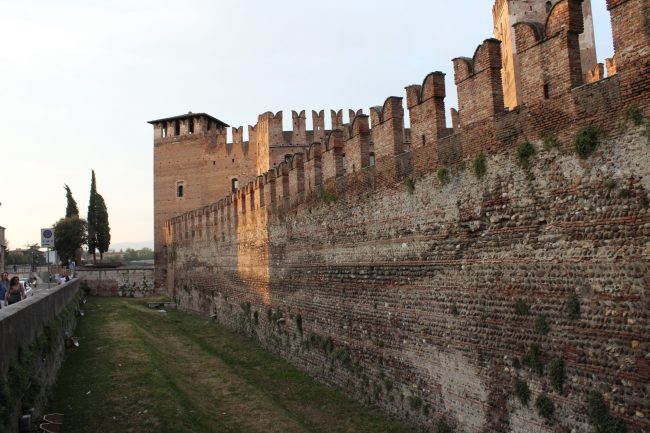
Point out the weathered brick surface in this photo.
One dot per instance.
(400, 285)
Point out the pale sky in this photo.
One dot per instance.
(80, 79)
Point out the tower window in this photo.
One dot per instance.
(163, 130)
(177, 127)
(372, 159)
(546, 91)
(235, 184)
(190, 126)
(180, 189)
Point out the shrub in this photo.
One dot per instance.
(611, 184)
(443, 176)
(524, 152)
(410, 185)
(327, 196)
(600, 416)
(441, 426)
(556, 373)
(585, 141)
(573, 307)
(479, 166)
(299, 323)
(544, 406)
(415, 402)
(550, 142)
(634, 115)
(341, 355)
(521, 390)
(327, 344)
(533, 359)
(541, 326)
(521, 307)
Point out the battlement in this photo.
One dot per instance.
(393, 244)
(553, 102)
(172, 128)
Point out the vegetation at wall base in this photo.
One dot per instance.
(325, 195)
(585, 141)
(533, 359)
(634, 115)
(524, 152)
(443, 176)
(410, 185)
(544, 406)
(550, 142)
(573, 307)
(541, 325)
(521, 307)
(299, 323)
(600, 417)
(441, 426)
(556, 373)
(415, 402)
(521, 391)
(479, 166)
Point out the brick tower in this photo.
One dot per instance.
(506, 13)
(193, 167)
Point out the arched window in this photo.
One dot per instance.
(180, 189)
(372, 159)
(235, 184)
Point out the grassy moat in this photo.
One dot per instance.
(140, 370)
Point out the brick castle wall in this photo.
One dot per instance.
(416, 285)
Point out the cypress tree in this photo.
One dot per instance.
(92, 218)
(71, 209)
(103, 230)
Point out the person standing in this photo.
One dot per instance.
(4, 286)
(16, 291)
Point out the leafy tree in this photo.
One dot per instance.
(69, 236)
(35, 255)
(71, 209)
(103, 230)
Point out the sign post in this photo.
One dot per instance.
(47, 241)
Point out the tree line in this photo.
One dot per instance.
(72, 231)
(30, 256)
